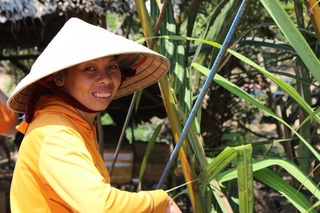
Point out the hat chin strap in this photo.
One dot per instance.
(32, 102)
(48, 83)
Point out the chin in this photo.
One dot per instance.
(101, 108)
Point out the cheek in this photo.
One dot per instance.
(73, 84)
(117, 78)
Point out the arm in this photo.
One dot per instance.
(68, 168)
(8, 118)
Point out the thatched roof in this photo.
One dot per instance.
(19, 9)
(33, 23)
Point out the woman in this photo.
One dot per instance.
(59, 168)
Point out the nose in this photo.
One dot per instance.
(104, 78)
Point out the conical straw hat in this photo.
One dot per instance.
(77, 42)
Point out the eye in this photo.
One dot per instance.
(89, 68)
(113, 66)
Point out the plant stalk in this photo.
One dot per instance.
(314, 13)
(194, 192)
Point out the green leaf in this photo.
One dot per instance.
(294, 36)
(287, 165)
(148, 150)
(242, 94)
(245, 178)
(282, 84)
(217, 165)
(273, 180)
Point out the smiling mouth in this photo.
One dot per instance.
(102, 95)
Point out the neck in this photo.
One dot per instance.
(88, 117)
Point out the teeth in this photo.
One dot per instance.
(102, 95)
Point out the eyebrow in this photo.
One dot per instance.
(114, 59)
(95, 60)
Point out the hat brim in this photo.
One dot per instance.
(78, 42)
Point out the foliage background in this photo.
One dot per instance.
(256, 133)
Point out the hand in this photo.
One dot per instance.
(172, 207)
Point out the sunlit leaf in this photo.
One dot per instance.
(245, 178)
(293, 35)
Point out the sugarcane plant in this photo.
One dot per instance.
(205, 176)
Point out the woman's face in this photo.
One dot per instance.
(93, 83)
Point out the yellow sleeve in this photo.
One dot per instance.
(7, 117)
(67, 167)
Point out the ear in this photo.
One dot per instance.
(58, 79)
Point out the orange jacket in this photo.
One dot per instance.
(7, 117)
(59, 168)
